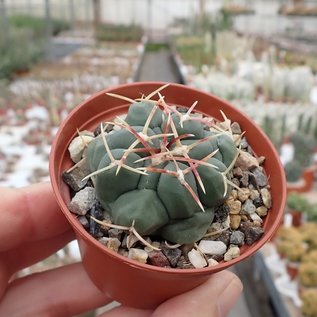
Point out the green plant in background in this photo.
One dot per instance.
(297, 202)
(276, 129)
(119, 33)
(270, 127)
(304, 146)
(312, 213)
(224, 21)
(156, 47)
(192, 50)
(308, 126)
(24, 46)
(293, 171)
(162, 172)
(37, 25)
(314, 132)
(19, 52)
(207, 43)
(304, 125)
(283, 131)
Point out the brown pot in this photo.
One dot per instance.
(297, 218)
(274, 235)
(309, 175)
(129, 282)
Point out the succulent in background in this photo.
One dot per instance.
(269, 126)
(309, 307)
(292, 250)
(293, 171)
(310, 257)
(308, 274)
(289, 234)
(297, 202)
(312, 213)
(163, 170)
(308, 230)
(304, 148)
(299, 82)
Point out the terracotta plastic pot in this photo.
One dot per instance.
(127, 281)
(297, 218)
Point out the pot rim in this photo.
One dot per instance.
(247, 250)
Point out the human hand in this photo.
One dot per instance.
(32, 228)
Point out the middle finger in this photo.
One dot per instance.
(32, 252)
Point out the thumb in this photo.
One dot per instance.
(214, 298)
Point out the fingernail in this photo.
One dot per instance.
(229, 296)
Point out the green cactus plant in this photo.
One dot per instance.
(293, 171)
(163, 171)
(304, 148)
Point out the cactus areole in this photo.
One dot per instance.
(163, 169)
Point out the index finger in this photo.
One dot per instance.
(29, 214)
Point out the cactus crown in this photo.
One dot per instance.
(163, 169)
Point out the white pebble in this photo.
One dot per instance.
(232, 253)
(212, 247)
(138, 255)
(82, 201)
(196, 259)
(226, 223)
(77, 147)
(212, 262)
(256, 217)
(111, 243)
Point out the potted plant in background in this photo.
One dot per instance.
(308, 232)
(310, 257)
(312, 213)
(308, 268)
(291, 247)
(309, 307)
(297, 206)
(110, 270)
(293, 173)
(288, 233)
(304, 147)
(293, 252)
(307, 274)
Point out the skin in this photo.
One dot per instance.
(32, 228)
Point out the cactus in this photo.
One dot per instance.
(293, 171)
(163, 171)
(304, 148)
(308, 274)
(309, 299)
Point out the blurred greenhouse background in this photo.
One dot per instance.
(260, 55)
